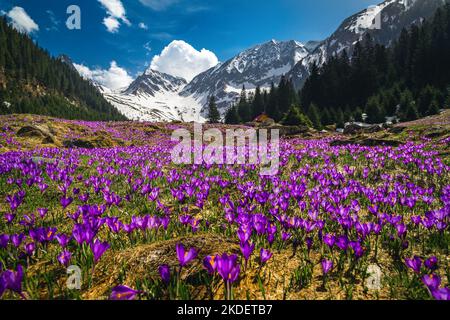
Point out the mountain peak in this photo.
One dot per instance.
(155, 73)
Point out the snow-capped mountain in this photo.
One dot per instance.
(312, 45)
(257, 66)
(155, 96)
(384, 22)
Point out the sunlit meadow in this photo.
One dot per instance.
(337, 222)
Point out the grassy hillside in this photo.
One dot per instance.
(31, 81)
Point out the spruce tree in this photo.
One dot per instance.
(374, 111)
(294, 117)
(339, 118)
(434, 108)
(408, 110)
(232, 117)
(326, 117)
(313, 115)
(213, 112)
(258, 103)
(244, 107)
(272, 109)
(447, 99)
(427, 95)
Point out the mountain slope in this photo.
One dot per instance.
(257, 66)
(155, 96)
(31, 81)
(392, 16)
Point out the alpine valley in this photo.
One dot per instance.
(156, 96)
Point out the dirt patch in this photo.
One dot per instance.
(143, 261)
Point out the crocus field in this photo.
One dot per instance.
(140, 227)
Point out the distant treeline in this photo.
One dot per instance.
(410, 79)
(31, 81)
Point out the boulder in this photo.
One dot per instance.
(397, 129)
(267, 123)
(366, 142)
(78, 143)
(48, 140)
(289, 130)
(355, 128)
(34, 131)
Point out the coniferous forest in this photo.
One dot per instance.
(407, 80)
(31, 81)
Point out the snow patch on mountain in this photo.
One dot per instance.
(155, 96)
(258, 66)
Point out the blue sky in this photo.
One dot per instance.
(224, 27)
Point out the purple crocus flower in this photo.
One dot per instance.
(123, 293)
(164, 272)
(247, 250)
(415, 264)
(265, 255)
(29, 248)
(228, 267)
(17, 239)
(13, 279)
(432, 281)
(9, 217)
(431, 263)
(401, 230)
(2, 285)
(327, 265)
(210, 264)
(4, 239)
(65, 202)
(83, 233)
(63, 240)
(64, 258)
(185, 257)
(441, 294)
(285, 236)
(98, 249)
(342, 242)
(309, 243)
(329, 240)
(42, 212)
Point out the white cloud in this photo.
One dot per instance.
(114, 78)
(158, 5)
(54, 21)
(147, 47)
(112, 24)
(182, 60)
(143, 26)
(21, 21)
(116, 13)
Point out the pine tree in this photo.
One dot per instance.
(213, 112)
(427, 95)
(339, 118)
(272, 109)
(232, 117)
(357, 115)
(447, 99)
(434, 108)
(408, 110)
(295, 118)
(326, 118)
(374, 111)
(244, 107)
(258, 103)
(313, 115)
